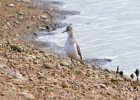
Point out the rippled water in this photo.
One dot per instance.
(105, 29)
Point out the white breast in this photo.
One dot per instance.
(71, 50)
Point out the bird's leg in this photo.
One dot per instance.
(71, 62)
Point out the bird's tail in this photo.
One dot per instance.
(82, 62)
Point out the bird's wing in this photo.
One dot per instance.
(79, 52)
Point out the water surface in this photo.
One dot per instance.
(105, 29)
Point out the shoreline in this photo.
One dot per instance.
(28, 72)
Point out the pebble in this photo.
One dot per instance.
(20, 13)
(27, 95)
(120, 79)
(64, 84)
(43, 16)
(83, 85)
(42, 28)
(64, 63)
(130, 88)
(27, 1)
(102, 85)
(95, 67)
(50, 8)
(48, 65)
(17, 48)
(108, 70)
(10, 5)
(127, 78)
(19, 76)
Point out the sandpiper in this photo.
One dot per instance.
(71, 47)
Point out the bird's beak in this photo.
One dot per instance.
(64, 31)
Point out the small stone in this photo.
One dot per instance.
(16, 22)
(10, 5)
(130, 88)
(47, 65)
(27, 1)
(20, 13)
(27, 95)
(20, 17)
(43, 16)
(120, 79)
(64, 84)
(18, 0)
(83, 85)
(64, 63)
(17, 48)
(102, 85)
(127, 78)
(73, 77)
(19, 76)
(50, 8)
(95, 67)
(108, 70)
(42, 28)
(89, 66)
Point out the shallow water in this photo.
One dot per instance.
(105, 29)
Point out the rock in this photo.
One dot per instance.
(89, 71)
(47, 65)
(27, 1)
(73, 77)
(64, 63)
(120, 79)
(31, 57)
(20, 13)
(27, 95)
(130, 88)
(95, 67)
(102, 85)
(10, 5)
(50, 8)
(18, 0)
(17, 48)
(64, 84)
(42, 28)
(127, 78)
(108, 70)
(43, 16)
(19, 76)
(83, 85)
(16, 22)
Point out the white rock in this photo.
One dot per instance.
(19, 76)
(27, 1)
(10, 5)
(42, 28)
(127, 78)
(43, 16)
(32, 56)
(102, 85)
(120, 79)
(64, 63)
(27, 95)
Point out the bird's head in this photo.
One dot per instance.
(69, 29)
